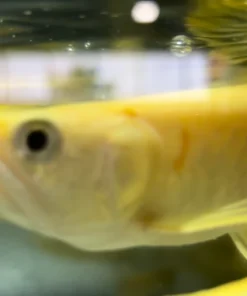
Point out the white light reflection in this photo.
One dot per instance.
(70, 48)
(87, 45)
(145, 12)
(27, 12)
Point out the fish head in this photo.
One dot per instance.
(69, 170)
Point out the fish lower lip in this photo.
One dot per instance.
(21, 199)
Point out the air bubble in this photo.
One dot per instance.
(181, 45)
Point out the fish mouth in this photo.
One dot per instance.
(21, 200)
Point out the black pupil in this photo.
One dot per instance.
(37, 141)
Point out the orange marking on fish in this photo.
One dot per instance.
(130, 112)
(146, 217)
(151, 218)
(179, 162)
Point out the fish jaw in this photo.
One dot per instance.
(20, 199)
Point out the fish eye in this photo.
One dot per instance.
(38, 140)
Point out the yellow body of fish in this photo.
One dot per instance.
(159, 170)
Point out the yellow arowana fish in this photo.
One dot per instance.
(160, 170)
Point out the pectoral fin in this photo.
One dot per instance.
(236, 288)
(240, 241)
(226, 217)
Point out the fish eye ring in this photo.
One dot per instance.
(37, 140)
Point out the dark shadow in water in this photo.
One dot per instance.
(31, 265)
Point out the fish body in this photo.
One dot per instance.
(167, 169)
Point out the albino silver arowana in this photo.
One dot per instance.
(160, 170)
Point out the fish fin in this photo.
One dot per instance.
(240, 241)
(57, 248)
(225, 217)
(235, 288)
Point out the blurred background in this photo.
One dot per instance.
(55, 51)
(82, 50)
(89, 75)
